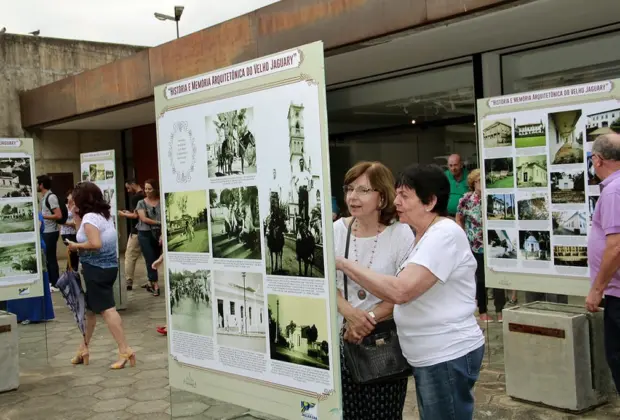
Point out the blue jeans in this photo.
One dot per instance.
(445, 390)
(151, 251)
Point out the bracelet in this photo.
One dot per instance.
(372, 314)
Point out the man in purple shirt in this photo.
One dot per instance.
(604, 246)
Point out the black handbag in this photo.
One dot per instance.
(379, 357)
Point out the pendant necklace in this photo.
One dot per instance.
(361, 294)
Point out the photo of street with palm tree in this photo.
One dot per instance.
(231, 147)
(190, 301)
(298, 330)
(235, 223)
(17, 260)
(16, 218)
(187, 221)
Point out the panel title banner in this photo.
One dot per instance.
(250, 70)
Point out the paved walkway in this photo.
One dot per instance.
(52, 389)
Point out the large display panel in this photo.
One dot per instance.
(20, 248)
(244, 168)
(539, 186)
(100, 169)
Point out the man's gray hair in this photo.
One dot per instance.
(608, 146)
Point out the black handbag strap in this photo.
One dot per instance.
(346, 255)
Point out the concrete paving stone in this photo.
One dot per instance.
(151, 383)
(116, 404)
(150, 395)
(113, 393)
(121, 373)
(225, 410)
(152, 416)
(87, 380)
(114, 415)
(118, 382)
(81, 391)
(187, 409)
(11, 398)
(148, 407)
(178, 397)
(152, 374)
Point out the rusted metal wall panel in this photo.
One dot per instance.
(121, 81)
(219, 46)
(48, 103)
(289, 23)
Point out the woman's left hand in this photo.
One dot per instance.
(340, 263)
(72, 246)
(351, 338)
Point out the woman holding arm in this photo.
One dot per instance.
(96, 243)
(435, 298)
(68, 232)
(149, 231)
(379, 243)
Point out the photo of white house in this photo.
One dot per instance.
(605, 122)
(534, 245)
(501, 207)
(532, 171)
(571, 223)
(497, 133)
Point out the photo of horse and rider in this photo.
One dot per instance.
(187, 221)
(231, 148)
(235, 223)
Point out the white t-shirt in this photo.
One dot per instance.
(105, 257)
(440, 325)
(393, 246)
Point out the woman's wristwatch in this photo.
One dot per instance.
(372, 314)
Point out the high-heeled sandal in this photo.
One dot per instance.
(82, 357)
(130, 357)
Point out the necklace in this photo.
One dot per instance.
(361, 294)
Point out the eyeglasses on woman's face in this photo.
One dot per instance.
(360, 190)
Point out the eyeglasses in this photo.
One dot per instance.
(360, 190)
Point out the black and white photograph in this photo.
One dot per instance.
(570, 223)
(566, 137)
(108, 195)
(187, 221)
(292, 198)
(501, 207)
(15, 177)
(235, 223)
(16, 218)
(535, 245)
(604, 122)
(231, 147)
(241, 316)
(18, 260)
(592, 200)
(568, 187)
(497, 133)
(533, 207)
(298, 330)
(499, 173)
(502, 243)
(593, 179)
(571, 256)
(191, 308)
(530, 130)
(532, 171)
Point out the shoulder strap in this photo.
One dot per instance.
(47, 201)
(346, 255)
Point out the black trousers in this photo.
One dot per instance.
(74, 257)
(51, 245)
(612, 337)
(499, 295)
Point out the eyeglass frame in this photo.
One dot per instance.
(364, 192)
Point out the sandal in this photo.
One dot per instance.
(130, 357)
(82, 357)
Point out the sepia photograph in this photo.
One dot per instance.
(533, 207)
(535, 245)
(497, 133)
(15, 177)
(605, 122)
(187, 221)
(502, 243)
(16, 218)
(571, 256)
(570, 223)
(499, 173)
(190, 301)
(298, 330)
(565, 137)
(501, 207)
(235, 223)
(568, 187)
(231, 147)
(17, 260)
(532, 171)
(241, 316)
(593, 179)
(530, 131)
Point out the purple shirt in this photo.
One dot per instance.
(605, 221)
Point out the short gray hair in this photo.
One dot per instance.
(608, 146)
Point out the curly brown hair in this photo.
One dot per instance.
(382, 180)
(88, 198)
